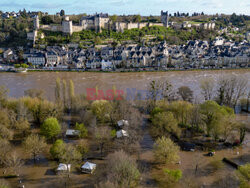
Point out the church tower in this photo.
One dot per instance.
(164, 18)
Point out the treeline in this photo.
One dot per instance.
(137, 35)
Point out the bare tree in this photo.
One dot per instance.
(13, 162)
(230, 90)
(185, 93)
(102, 136)
(34, 93)
(207, 88)
(34, 145)
(122, 170)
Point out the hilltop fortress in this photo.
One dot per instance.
(101, 21)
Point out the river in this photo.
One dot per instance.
(17, 83)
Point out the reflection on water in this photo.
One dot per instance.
(19, 82)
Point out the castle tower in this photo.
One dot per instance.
(164, 18)
(36, 23)
(67, 26)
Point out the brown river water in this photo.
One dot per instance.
(17, 83)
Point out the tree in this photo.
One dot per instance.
(159, 90)
(71, 155)
(214, 117)
(207, 88)
(58, 91)
(102, 136)
(136, 18)
(13, 162)
(83, 147)
(173, 176)
(34, 93)
(102, 109)
(62, 13)
(46, 20)
(182, 111)
(185, 93)
(122, 169)
(40, 109)
(244, 175)
(82, 129)
(57, 149)
(5, 149)
(51, 128)
(71, 93)
(97, 40)
(113, 18)
(165, 122)
(64, 93)
(22, 125)
(3, 95)
(230, 90)
(166, 151)
(34, 145)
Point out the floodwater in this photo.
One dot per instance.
(19, 82)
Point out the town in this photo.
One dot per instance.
(225, 49)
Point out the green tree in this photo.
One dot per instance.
(82, 129)
(34, 145)
(244, 175)
(57, 149)
(173, 175)
(113, 18)
(166, 151)
(51, 128)
(71, 93)
(165, 122)
(102, 109)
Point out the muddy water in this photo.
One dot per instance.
(19, 82)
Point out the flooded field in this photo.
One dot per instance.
(42, 174)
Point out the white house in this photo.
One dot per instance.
(106, 65)
(63, 167)
(88, 168)
(121, 133)
(122, 123)
(72, 133)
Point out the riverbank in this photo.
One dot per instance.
(126, 70)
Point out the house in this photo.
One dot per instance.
(63, 168)
(121, 133)
(88, 168)
(72, 133)
(106, 65)
(36, 59)
(122, 123)
(7, 53)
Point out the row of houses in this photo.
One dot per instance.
(194, 54)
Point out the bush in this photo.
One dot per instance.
(173, 175)
(82, 129)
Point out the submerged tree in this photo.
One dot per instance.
(166, 151)
(122, 169)
(207, 88)
(34, 145)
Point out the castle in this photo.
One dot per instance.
(101, 21)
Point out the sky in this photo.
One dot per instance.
(120, 7)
